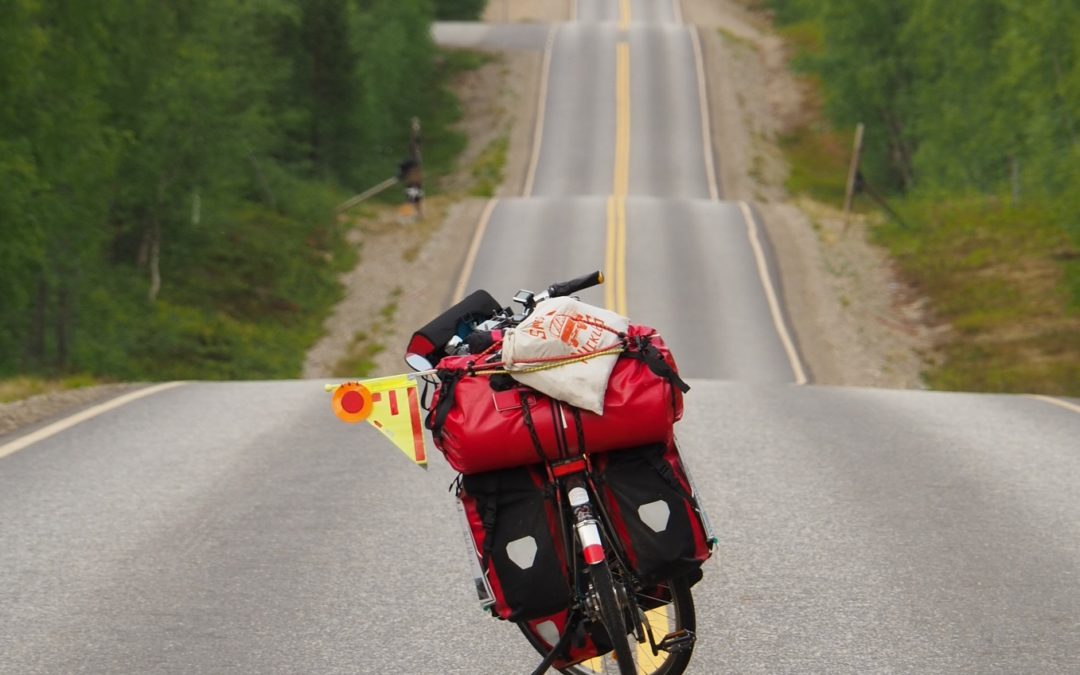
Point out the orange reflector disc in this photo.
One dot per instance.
(352, 402)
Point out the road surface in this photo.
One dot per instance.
(238, 528)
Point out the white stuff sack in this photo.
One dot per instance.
(565, 327)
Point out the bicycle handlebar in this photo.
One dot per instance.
(443, 336)
(574, 285)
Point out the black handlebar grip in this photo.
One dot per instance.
(575, 285)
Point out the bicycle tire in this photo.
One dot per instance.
(680, 613)
(611, 615)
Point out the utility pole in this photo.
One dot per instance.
(857, 183)
(853, 170)
(411, 170)
(410, 174)
(415, 139)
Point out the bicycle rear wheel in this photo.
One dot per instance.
(666, 608)
(611, 615)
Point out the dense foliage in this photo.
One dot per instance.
(168, 171)
(957, 95)
(972, 113)
(459, 10)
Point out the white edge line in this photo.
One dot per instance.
(706, 127)
(676, 9)
(68, 422)
(474, 248)
(538, 133)
(770, 293)
(1055, 401)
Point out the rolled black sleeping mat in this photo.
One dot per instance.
(430, 341)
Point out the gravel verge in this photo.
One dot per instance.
(43, 407)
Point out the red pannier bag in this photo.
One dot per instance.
(650, 502)
(483, 423)
(513, 522)
(587, 641)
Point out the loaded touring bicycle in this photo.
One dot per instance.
(582, 523)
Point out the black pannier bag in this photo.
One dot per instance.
(430, 340)
(649, 500)
(514, 526)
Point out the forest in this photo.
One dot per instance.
(168, 173)
(972, 118)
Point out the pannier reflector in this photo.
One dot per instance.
(522, 552)
(548, 632)
(655, 515)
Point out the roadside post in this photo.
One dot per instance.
(853, 170)
(412, 173)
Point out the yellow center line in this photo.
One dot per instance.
(609, 257)
(622, 119)
(624, 14)
(620, 260)
(615, 260)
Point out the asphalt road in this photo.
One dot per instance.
(689, 266)
(239, 528)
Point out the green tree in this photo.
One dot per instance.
(74, 156)
(192, 116)
(325, 69)
(188, 152)
(869, 78)
(22, 44)
(1040, 82)
(459, 10)
(397, 76)
(964, 135)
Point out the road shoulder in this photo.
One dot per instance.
(24, 413)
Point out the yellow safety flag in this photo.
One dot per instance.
(391, 405)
